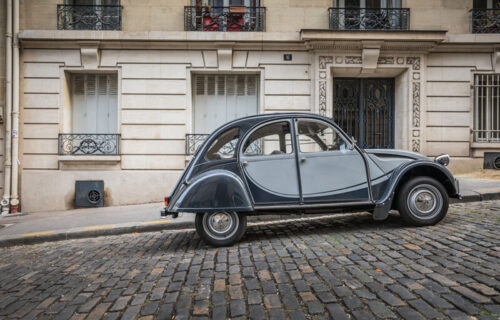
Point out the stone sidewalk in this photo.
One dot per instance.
(79, 223)
(342, 267)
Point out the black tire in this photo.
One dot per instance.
(422, 201)
(207, 226)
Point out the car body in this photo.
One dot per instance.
(302, 163)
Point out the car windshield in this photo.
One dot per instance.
(224, 146)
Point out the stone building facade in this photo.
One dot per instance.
(128, 103)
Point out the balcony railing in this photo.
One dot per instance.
(369, 19)
(224, 19)
(83, 17)
(193, 142)
(89, 144)
(485, 20)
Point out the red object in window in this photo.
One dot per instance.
(209, 23)
(235, 23)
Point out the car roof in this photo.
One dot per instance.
(276, 115)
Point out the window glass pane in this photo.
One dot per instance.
(272, 139)
(223, 147)
(315, 136)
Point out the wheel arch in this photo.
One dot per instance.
(404, 173)
(216, 190)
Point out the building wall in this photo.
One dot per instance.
(281, 15)
(2, 89)
(155, 104)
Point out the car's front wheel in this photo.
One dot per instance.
(423, 201)
(221, 228)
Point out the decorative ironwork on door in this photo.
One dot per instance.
(364, 108)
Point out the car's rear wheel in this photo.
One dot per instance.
(221, 228)
(423, 201)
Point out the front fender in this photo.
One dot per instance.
(216, 190)
(435, 170)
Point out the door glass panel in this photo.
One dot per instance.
(317, 136)
(224, 146)
(272, 139)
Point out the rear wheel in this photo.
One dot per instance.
(423, 201)
(221, 228)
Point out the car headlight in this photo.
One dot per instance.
(442, 159)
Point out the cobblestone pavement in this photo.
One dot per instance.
(343, 267)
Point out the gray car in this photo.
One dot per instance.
(303, 163)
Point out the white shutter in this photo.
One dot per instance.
(222, 98)
(94, 103)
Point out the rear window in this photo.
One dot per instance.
(224, 146)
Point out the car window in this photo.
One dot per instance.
(316, 136)
(271, 139)
(224, 146)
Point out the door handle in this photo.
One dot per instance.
(245, 163)
(302, 159)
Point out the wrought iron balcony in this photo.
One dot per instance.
(369, 19)
(89, 144)
(485, 20)
(229, 19)
(83, 17)
(193, 142)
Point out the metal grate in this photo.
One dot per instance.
(205, 18)
(369, 19)
(485, 20)
(89, 17)
(486, 108)
(89, 144)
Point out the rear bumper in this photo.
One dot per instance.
(164, 213)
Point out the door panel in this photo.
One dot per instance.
(364, 108)
(269, 164)
(330, 170)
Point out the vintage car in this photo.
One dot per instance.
(293, 163)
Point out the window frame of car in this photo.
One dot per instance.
(349, 145)
(214, 140)
(249, 133)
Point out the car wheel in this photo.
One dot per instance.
(423, 201)
(221, 228)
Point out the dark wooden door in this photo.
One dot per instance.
(364, 108)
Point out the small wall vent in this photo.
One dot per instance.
(492, 160)
(89, 193)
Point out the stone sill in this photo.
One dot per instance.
(89, 159)
(485, 145)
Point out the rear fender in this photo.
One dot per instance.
(403, 173)
(216, 190)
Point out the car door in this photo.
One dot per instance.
(269, 164)
(331, 170)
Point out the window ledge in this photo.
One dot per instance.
(486, 145)
(91, 159)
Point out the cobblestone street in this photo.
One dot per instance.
(340, 267)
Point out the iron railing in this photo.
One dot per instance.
(193, 142)
(89, 144)
(369, 19)
(486, 107)
(83, 17)
(203, 18)
(485, 20)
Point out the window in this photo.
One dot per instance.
(315, 136)
(89, 15)
(271, 139)
(487, 107)
(224, 146)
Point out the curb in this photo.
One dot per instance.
(79, 233)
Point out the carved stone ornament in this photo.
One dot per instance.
(324, 60)
(414, 61)
(416, 104)
(322, 98)
(385, 60)
(415, 145)
(353, 60)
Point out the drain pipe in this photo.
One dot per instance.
(8, 109)
(14, 202)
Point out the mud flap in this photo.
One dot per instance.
(381, 211)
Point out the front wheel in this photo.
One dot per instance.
(423, 201)
(221, 228)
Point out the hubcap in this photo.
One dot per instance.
(220, 225)
(425, 201)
